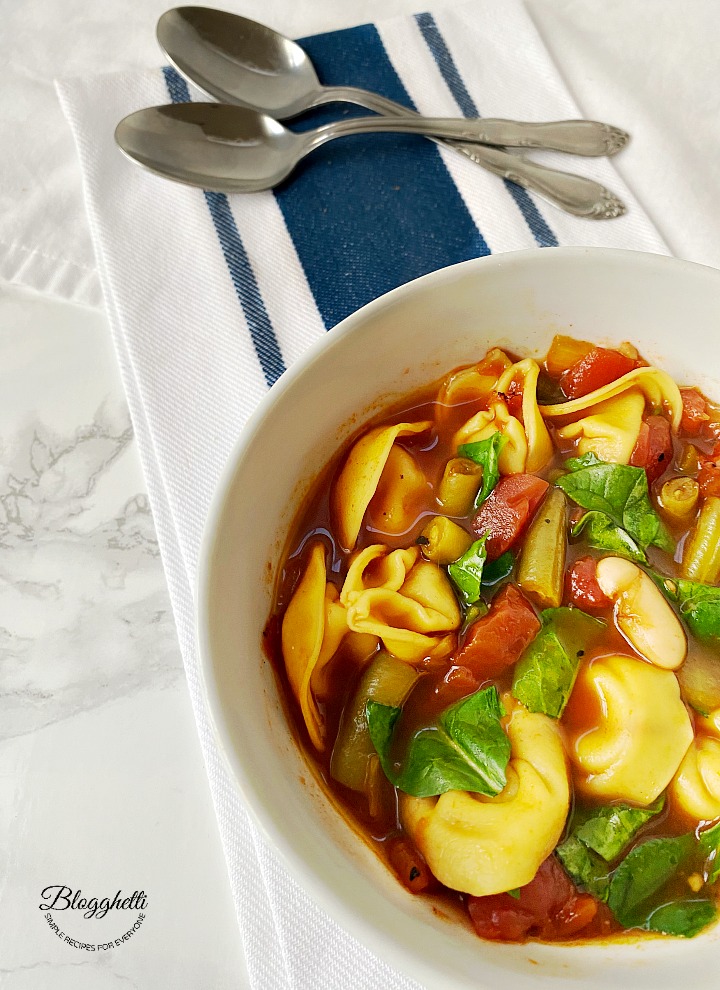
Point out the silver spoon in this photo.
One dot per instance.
(239, 61)
(234, 149)
(232, 57)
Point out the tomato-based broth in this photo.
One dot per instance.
(497, 631)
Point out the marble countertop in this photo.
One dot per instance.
(102, 784)
(102, 780)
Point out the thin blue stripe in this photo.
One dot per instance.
(370, 212)
(449, 71)
(238, 263)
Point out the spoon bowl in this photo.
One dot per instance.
(233, 58)
(225, 149)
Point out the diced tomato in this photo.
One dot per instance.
(498, 639)
(709, 474)
(564, 353)
(599, 367)
(581, 585)
(500, 918)
(549, 907)
(694, 414)
(575, 915)
(514, 399)
(507, 511)
(458, 683)
(653, 450)
(410, 867)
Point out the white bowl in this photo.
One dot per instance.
(409, 337)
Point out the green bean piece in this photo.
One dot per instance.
(679, 498)
(446, 541)
(459, 485)
(701, 554)
(688, 459)
(388, 681)
(699, 679)
(541, 568)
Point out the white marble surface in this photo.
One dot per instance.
(102, 784)
(101, 779)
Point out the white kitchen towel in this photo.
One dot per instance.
(211, 297)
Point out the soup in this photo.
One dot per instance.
(496, 631)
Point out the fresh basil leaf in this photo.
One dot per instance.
(545, 673)
(699, 604)
(587, 460)
(645, 871)
(487, 453)
(548, 391)
(496, 571)
(474, 612)
(466, 749)
(466, 572)
(585, 867)
(621, 492)
(682, 917)
(602, 533)
(609, 829)
(709, 842)
(515, 893)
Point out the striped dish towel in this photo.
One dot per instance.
(211, 297)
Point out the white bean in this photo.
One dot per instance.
(642, 614)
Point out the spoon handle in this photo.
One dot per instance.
(590, 138)
(576, 194)
(575, 137)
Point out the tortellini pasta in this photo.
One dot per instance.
(611, 429)
(485, 845)
(696, 787)
(528, 446)
(358, 480)
(404, 600)
(472, 384)
(657, 386)
(628, 729)
(482, 425)
(313, 628)
(539, 445)
(391, 508)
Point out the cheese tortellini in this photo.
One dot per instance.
(525, 375)
(392, 509)
(313, 628)
(473, 384)
(359, 478)
(658, 388)
(695, 789)
(628, 729)
(485, 845)
(614, 413)
(497, 419)
(404, 600)
(528, 446)
(611, 429)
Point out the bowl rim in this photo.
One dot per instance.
(324, 896)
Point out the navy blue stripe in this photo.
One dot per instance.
(449, 71)
(238, 263)
(370, 212)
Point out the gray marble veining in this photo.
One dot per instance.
(77, 565)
